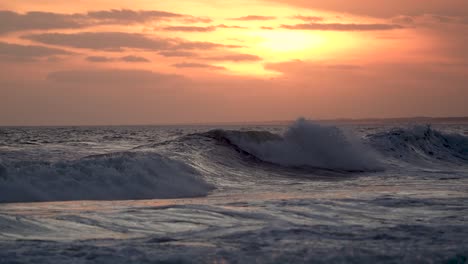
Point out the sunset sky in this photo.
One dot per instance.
(199, 61)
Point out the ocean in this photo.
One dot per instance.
(302, 192)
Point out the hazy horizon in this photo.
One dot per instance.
(200, 61)
(370, 120)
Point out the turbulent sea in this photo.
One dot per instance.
(304, 192)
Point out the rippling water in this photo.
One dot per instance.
(283, 194)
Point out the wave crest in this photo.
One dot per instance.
(422, 143)
(304, 144)
(117, 176)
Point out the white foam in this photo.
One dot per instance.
(309, 144)
(115, 176)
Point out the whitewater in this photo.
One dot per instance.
(319, 192)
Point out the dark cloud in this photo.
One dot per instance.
(11, 21)
(16, 52)
(309, 18)
(252, 17)
(198, 65)
(132, 58)
(234, 57)
(177, 53)
(99, 59)
(386, 9)
(111, 41)
(200, 29)
(189, 45)
(224, 57)
(117, 41)
(342, 27)
(121, 16)
(429, 20)
(189, 28)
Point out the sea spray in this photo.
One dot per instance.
(305, 144)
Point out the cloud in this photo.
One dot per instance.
(111, 41)
(342, 27)
(300, 67)
(192, 19)
(11, 21)
(309, 18)
(200, 29)
(403, 20)
(234, 57)
(386, 9)
(99, 59)
(124, 16)
(343, 67)
(429, 20)
(198, 65)
(189, 28)
(177, 53)
(117, 41)
(132, 58)
(229, 26)
(190, 45)
(267, 28)
(109, 77)
(129, 58)
(252, 17)
(16, 52)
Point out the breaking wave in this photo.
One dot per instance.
(304, 144)
(421, 143)
(117, 176)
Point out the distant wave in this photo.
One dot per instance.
(305, 144)
(116, 176)
(421, 143)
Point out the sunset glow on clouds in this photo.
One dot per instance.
(140, 62)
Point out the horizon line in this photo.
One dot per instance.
(267, 122)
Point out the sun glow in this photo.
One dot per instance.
(288, 41)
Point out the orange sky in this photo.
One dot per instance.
(148, 62)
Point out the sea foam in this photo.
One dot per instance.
(305, 144)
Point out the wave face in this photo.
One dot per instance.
(422, 144)
(304, 144)
(117, 176)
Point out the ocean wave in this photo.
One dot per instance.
(304, 144)
(117, 176)
(421, 143)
